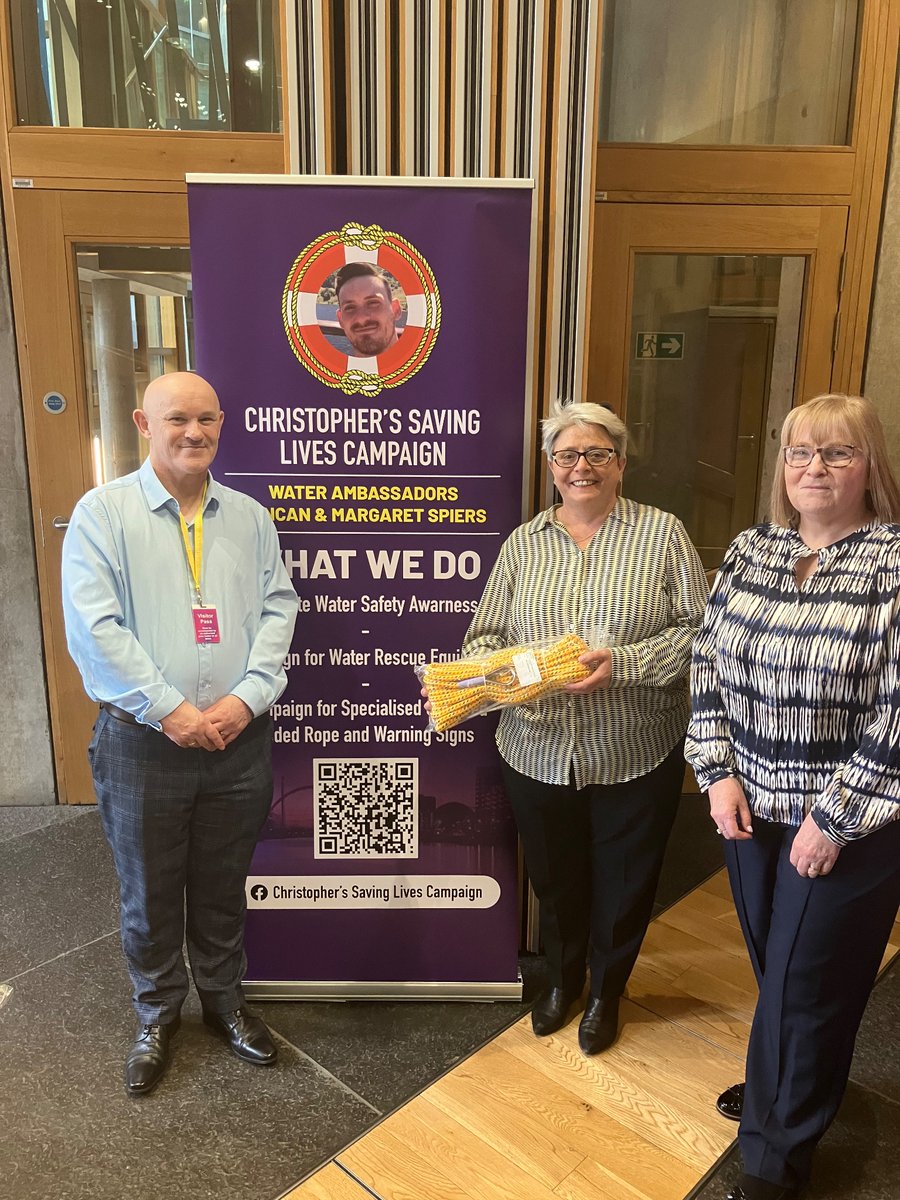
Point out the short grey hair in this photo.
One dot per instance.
(564, 416)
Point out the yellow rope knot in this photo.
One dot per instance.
(362, 237)
(361, 383)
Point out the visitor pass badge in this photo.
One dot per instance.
(206, 624)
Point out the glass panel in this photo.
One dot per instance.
(148, 64)
(729, 73)
(714, 342)
(136, 324)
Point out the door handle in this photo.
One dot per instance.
(60, 523)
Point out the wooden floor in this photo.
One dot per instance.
(533, 1119)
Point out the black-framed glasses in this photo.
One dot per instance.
(832, 456)
(596, 456)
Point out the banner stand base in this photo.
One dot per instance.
(289, 989)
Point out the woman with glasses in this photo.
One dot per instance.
(795, 734)
(594, 773)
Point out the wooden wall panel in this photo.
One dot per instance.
(873, 119)
(96, 157)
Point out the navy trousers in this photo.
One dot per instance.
(182, 825)
(816, 945)
(594, 856)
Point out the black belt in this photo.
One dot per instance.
(120, 714)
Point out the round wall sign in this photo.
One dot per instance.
(54, 402)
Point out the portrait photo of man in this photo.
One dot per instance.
(368, 313)
(372, 314)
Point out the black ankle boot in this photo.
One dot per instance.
(551, 1011)
(599, 1026)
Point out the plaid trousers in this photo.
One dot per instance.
(182, 825)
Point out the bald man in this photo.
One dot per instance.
(179, 615)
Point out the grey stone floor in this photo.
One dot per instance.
(217, 1128)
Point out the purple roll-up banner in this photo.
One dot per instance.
(368, 339)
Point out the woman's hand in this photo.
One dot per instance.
(600, 662)
(812, 853)
(424, 694)
(729, 809)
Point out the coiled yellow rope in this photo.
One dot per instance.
(514, 675)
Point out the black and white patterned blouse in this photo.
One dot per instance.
(796, 691)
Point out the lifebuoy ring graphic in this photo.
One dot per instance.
(395, 255)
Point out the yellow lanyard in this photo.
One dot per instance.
(194, 553)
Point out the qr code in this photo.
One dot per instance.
(366, 807)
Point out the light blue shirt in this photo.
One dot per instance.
(128, 592)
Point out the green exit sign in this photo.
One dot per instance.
(659, 345)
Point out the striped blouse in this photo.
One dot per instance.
(640, 584)
(797, 692)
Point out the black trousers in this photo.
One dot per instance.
(815, 945)
(594, 855)
(182, 825)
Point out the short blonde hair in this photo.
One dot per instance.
(836, 416)
(564, 416)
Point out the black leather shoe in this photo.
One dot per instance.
(551, 1011)
(599, 1026)
(247, 1035)
(146, 1061)
(731, 1103)
(749, 1187)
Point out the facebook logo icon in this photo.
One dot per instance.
(259, 891)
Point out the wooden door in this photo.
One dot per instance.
(49, 225)
(728, 461)
(708, 322)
